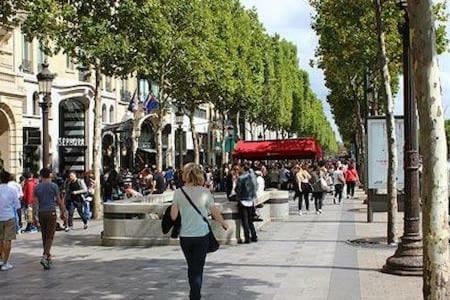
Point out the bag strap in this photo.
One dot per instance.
(195, 207)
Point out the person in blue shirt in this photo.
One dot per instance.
(9, 203)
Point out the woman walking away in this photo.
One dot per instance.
(351, 177)
(194, 231)
(319, 187)
(339, 181)
(303, 177)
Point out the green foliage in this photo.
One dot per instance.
(348, 50)
(199, 51)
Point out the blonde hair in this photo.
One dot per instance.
(193, 174)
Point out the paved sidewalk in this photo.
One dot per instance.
(306, 257)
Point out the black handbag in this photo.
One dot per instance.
(213, 244)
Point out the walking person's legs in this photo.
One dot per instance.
(195, 250)
(244, 220)
(7, 234)
(251, 226)
(70, 211)
(316, 201)
(79, 206)
(306, 198)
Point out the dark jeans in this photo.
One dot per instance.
(195, 250)
(48, 228)
(338, 191)
(247, 222)
(318, 200)
(71, 206)
(351, 188)
(306, 190)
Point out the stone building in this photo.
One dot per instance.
(127, 138)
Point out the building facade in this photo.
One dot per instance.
(128, 139)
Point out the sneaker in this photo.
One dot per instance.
(45, 263)
(1, 263)
(85, 226)
(6, 267)
(320, 211)
(300, 213)
(317, 212)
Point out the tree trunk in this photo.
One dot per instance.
(392, 230)
(96, 145)
(433, 147)
(194, 138)
(362, 141)
(160, 112)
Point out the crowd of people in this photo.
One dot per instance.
(193, 200)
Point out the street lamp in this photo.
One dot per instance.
(179, 119)
(230, 130)
(45, 80)
(407, 260)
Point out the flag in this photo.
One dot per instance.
(150, 103)
(133, 106)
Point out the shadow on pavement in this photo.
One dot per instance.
(75, 277)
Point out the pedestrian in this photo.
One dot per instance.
(274, 177)
(303, 180)
(75, 190)
(46, 195)
(89, 180)
(18, 213)
(231, 182)
(319, 187)
(338, 181)
(28, 200)
(159, 182)
(194, 231)
(285, 175)
(246, 195)
(351, 178)
(9, 203)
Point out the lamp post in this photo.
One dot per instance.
(407, 260)
(45, 80)
(179, 119)
(230, 130)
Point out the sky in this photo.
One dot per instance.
(292, 20)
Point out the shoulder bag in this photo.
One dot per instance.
(213, 245)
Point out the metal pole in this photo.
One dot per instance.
(407, 260)
(45, 105)
(180, 132)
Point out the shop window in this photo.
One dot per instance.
(111, 115)
(71, 141)
(104, 114)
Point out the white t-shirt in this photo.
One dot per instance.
(9, 202)
(260, 186)
(336, 175)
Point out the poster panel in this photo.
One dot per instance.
(377, 153)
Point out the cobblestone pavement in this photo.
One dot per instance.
(306, 257)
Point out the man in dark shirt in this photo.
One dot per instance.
(46, 195)
(160, 183)
(75, 189)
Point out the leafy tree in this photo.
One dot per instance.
(95, 40)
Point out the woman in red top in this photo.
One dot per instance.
(28, 192)
(351, 177)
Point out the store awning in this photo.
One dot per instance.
(125, 126)
(304, 148)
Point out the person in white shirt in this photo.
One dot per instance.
(9, 203)
(18, 188)
(260, 184)
(339, 182)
